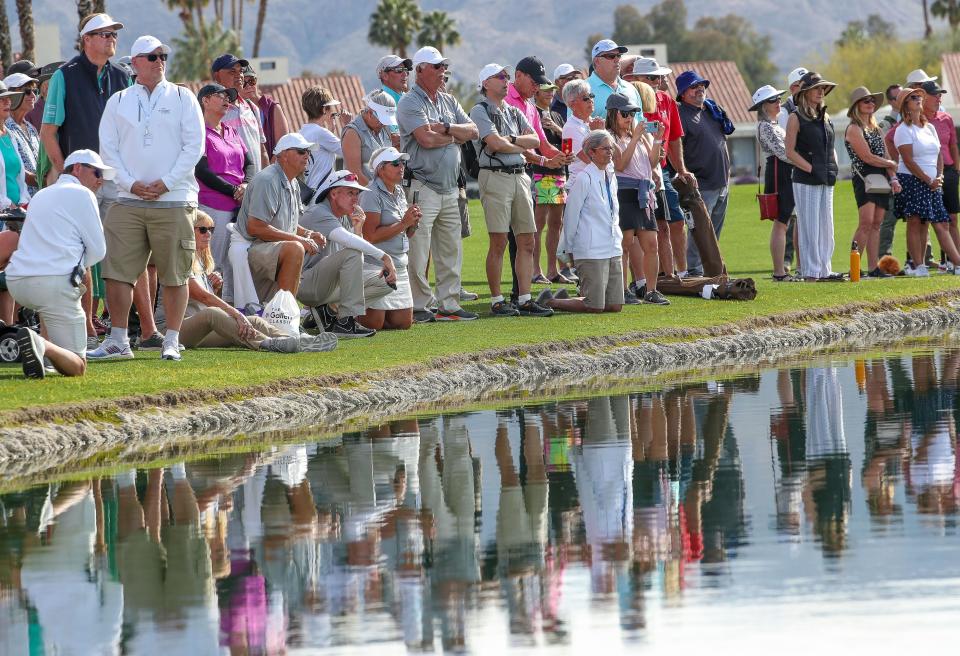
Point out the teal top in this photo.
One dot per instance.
(11, 168)
(53, 108)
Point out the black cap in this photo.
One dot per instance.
(212, 88)
(533, 67)
(932, 88)
(23, 66)
(620, 102)
(228, 60)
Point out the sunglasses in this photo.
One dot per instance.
(627, 114)
(589, 97)
(612, 55)
(652, 78)
(396, 69)
(773, 100)
(914, 97)
(205, 229)
(439, 66)
(104, 35)
(250, 82)
(397, 162)
(97, 173)
(350, 177)
(300, 151)
(27, 92)
(869, 100)
(501, 76)
(152, 57)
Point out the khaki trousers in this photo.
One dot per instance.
(439, 235)
(214, 328)
(341, 279)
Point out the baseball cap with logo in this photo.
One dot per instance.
(795, 75)
(606, 45)
(100, 22)
(213, 87)
(90, 158)
(533, 67)
(393, 61)
(931, 87)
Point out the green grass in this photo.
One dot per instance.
(744, 244)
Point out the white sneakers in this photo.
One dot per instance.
(111, 350)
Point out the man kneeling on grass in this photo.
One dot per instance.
(591, 233)
(62, 236)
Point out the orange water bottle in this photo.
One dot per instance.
(854, 263)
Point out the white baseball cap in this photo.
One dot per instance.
(390, 154)
(428, 55)
(293, 140)
(90, 158)
(919, 76)
(392, 61)
(649, 66)
(100, 22)
(15, 80)
(795, 75)
(562, 70)
(386, 114)
(489, 71)
(606, 45)
(146, 44)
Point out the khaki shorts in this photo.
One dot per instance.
(601, 282)
(507, 202)
(134, 233)
(264, 260)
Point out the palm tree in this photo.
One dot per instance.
(926, 21)
(6, 47)
(197, 48)
(84, 8)
(949, 10)
(438, 30)
(25, 14)
(393, 24)
(261, 16)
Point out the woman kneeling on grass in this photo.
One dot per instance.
(921, 176)
(591, 233)
(210, 322)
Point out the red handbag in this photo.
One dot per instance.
(769, 203)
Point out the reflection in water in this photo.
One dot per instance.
(490, 529)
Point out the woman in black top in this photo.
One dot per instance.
(868, 155)
(809, 145)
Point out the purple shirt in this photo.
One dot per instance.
(225, 156)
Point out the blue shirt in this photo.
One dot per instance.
(601, 91)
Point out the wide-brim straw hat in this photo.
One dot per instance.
(812, 80)
(907, 91)
(859, 94)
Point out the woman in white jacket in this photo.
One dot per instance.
(591, 232)
(13, 182)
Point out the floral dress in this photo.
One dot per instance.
(26, 139)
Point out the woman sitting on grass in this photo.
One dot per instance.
(591, 233)
(210, 322)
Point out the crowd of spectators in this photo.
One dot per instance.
(203, 206)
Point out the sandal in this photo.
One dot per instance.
(561, 279)
(540, 279)
(784, 278)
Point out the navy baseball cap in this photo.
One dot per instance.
(228, 61)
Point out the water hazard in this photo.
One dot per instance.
(818, 502)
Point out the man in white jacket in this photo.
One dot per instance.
(61, 235)
(153, 134)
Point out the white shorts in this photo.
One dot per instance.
(402, 298)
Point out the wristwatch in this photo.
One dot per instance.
(446, 127)
(513, 138)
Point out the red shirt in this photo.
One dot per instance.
(947, 133)
(668, 115)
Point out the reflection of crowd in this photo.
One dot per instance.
(407, 531)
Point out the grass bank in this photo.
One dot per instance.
(744, 244)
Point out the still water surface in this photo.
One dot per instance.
(798, 508)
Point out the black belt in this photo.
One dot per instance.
(516, 170)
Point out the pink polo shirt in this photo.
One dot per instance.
(225, 155)
(947, 133)
(532, 114)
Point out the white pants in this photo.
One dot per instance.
(439, 235)
(238, 270)
(815, 228)
(58, 303)
(219, 244)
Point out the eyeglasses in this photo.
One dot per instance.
(606, 148)
(612, 55)
(624, 114)
(570, 76)
(441, 65)
(152, 57)
(104, 35)
(204, 229)
(97, 173)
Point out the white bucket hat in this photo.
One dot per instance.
(763, 94)
(649, 66)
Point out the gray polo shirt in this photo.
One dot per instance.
(507, 121)
(704, 147)
(438, 168)
(391, 208)
(272, 198)
(369, 141)
(319, 218)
